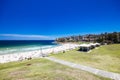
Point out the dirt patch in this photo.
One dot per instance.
(28, 64)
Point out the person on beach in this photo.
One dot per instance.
(29, 58)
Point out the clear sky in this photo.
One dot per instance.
(43, 19)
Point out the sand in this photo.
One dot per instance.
(37, 53)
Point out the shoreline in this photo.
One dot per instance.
(25, 49)
(36, 53)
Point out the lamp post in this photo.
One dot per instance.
(41, 52)
(43, 55)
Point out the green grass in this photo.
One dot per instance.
(42, 69)
(106, 57)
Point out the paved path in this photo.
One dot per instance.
(102, 73)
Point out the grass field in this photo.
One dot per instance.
(42, 69)
(106, 57)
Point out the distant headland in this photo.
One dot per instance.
(113, 37)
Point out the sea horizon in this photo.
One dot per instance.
(17, 46)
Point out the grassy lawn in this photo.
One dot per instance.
(106, 57)
(42, 69)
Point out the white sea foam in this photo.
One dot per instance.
(14, 50)
(36, 53)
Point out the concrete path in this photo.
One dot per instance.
(102, 73)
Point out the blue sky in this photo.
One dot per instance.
(48, 19)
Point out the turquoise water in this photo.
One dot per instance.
(15, 46)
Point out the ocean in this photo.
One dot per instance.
(16, 46)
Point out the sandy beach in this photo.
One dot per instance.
(37, 53)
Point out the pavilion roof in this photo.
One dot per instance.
(85, 45)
